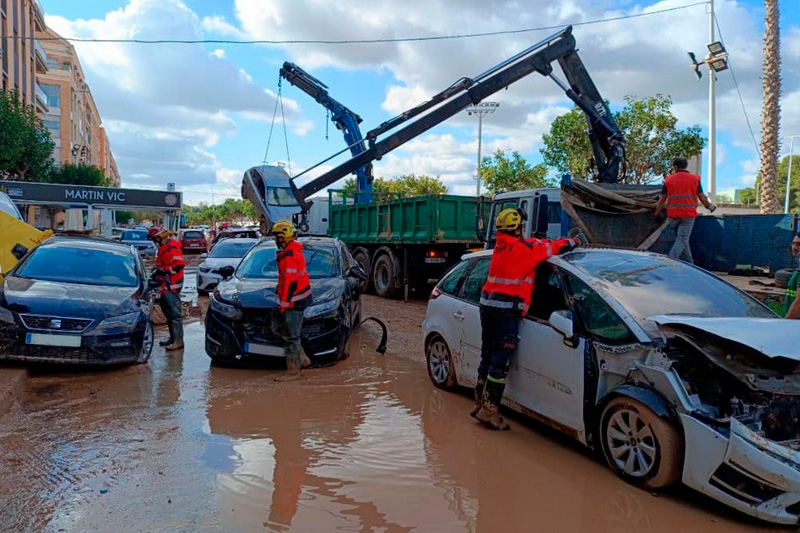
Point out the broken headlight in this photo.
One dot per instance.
(324, 309)
(230, 312)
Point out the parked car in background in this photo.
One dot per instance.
(226, 253)
(236, 233)
(77, 300)
(193, 240)
(117, 232)
(238, 321)
(669, 371)
(138, 239)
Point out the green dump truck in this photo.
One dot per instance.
(405, 243)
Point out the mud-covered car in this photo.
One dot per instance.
(669, 371)
(225, 253)
(77, 300)
(238, 321)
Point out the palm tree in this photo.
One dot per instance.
(770, 115)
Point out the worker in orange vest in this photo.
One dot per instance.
(679, 194)
(294, 295)
(169, 272)
(505, 299)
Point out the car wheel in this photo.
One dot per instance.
(147, 344)
(383, 277)
(361, 257)
(440, 364)
(643, 448)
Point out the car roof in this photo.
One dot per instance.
(269, 242)
(87, 242)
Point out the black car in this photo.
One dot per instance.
(77, 300)
(238, 321)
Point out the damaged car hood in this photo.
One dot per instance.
(261, 294)
(764, 353)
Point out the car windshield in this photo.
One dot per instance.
(321, 262)
(231, 248)
(134, 236)
(648, 285)
(193, 235)
(280, 196)
(88, 266)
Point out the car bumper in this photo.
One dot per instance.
(739, 468)
(207, 280)
(195, 248)
(227, 340)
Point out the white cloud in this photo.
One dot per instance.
(219, 53)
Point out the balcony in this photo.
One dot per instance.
(38, 16)
(41, 58)
(41, 100)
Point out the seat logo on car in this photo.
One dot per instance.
(55, 323)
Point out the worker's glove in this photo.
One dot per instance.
(571, 245)
(582, 239)
(712, 207)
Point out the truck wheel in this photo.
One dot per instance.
(782, 277)
(384, 275)
(361, 257)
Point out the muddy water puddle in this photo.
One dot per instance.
(366, 445)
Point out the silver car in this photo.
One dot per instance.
(668, 371)
(228, 252)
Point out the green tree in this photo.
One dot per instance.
(502, 173)
(123, 217)
(651, 134)
(25, 145)
(748, 196)
(783, 174)
(80, 174)
(407, 185)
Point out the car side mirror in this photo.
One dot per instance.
(561, 321)
(227, 272)
(357, 272)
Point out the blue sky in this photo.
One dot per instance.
(199, 115)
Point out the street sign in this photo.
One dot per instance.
(81, 195)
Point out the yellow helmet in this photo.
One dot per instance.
(508, 220)
(283, 228)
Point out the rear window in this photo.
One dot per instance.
(134, 236)
(451, 282)
(193, 235)
(80, 265)
(231, 248)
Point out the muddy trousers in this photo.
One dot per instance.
(287, 325)
(170, 303)
(499, 338)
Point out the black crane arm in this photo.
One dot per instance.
(607, 139)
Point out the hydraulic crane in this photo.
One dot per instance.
(344, 119)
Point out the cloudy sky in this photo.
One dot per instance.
(199, 114)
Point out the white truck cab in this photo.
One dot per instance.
(527, 200)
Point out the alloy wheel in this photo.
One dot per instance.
(631, 443)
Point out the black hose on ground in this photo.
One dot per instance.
(381, 349)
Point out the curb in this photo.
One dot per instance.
(12, 382)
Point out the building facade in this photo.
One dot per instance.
(107, 162)
(21, 55)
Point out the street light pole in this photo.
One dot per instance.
(712, 117)
(484, 108)
(789, 174)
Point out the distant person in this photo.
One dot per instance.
(169, 273)
(680, 193)
(792, 306)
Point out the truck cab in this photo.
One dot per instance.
(527, 200)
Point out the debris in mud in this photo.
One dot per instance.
(781, 420)
(103, 491)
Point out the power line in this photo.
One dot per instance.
(736, 84)
(362, 41)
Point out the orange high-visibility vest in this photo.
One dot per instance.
(170, 260)
(512, 272)
(294, 286)
(682, 190)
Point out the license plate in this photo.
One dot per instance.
(434, 259)
(194, 245)
(43, 339)
(263, 349)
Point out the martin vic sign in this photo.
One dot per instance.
(73, 195)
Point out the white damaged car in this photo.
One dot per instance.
(667, 370)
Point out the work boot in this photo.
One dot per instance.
(489, 413)
(305, 362)
(292, 372)
(171, 339)
(177, 345)
(478, 397)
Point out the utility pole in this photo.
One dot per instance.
(712, 116)
(484, 108)
(789, 174)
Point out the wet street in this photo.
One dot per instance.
(366, 445)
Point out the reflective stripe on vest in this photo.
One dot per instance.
(507, 281)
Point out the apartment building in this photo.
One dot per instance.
(22, 57)
(107, 161)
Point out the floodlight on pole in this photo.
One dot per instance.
(479, 110)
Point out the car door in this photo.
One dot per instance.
(547, 375)
(445, 311)
(468, 313)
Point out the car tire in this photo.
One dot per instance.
(440, 365)
(148, 341)
(361, 256)
(782, 277)
(643, 448)
(383, 276)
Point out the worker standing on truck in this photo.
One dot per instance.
(294, 295)
(792, 306)
(680, 193)
(169, 273)
(505, 299)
